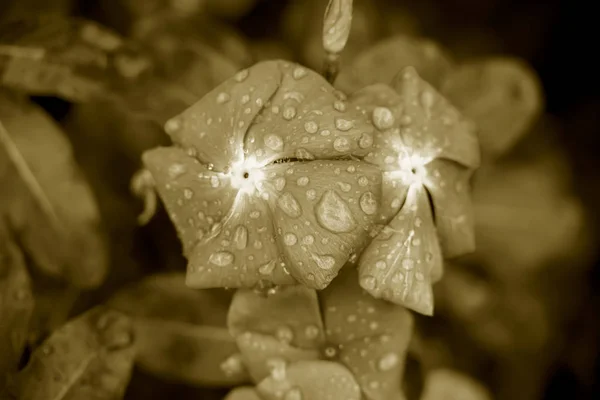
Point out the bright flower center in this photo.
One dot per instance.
(411, 169)
(247, 176)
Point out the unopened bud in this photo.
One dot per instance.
(336, 26)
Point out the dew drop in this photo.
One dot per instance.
(324, 262)
(380, 264)
(368, 203)
(221, 258)
(290, 239)
(388, 362)
(240, 237)
(223, 98)
(418, 222)
(280, 183)
(343, 124)
(173, 125)
(214, 181)
(311, 332)
(241, 75)
(311, 127)
(363, 181)
(284, 334)
(344, 186)
(368, 282)
(233, 365)
(408, 263)
(365, 141)
(274, 142)
(303, 154)
(289, 113)
(293, 394)
(302, 181)
(341, 144)
(308, 239)
(176, 170)
(299, 73)
(188, 193)
(267, 268)
(311, 194)
(289, 205)
(334, 214)
(339, 105)
(383, 118)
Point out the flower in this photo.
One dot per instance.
(427, 152)
(336, 343)
(263, 185)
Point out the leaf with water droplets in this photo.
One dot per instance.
(502, 95)
(49, 206)
(452, 385)
(372, 335)
(181, 333)
(380, 63)
(215, 126)
(89, 357)
(294, 308)
(67, 57)
(243, 393)
(405, 258)
(311, 380)
(306, 113)
(321, 224)
(16, 306)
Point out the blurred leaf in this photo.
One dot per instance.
(502, 95)
(24, 8)
(383, 61)
(228, 8)
(16, 306)
(49, 205)
(89, 358)
(180, 332)
(67, 57)
(451, 385)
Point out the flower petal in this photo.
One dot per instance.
(382, 62)
(314, 380)
(323, 211)
(215, 126)
(372, 335)
(502, 95)
(240, 252)
(307, 119)
(401, 262)
(243, 393)
(259, 351)
(433, 128)
(450, 189)
(292, 314)
(195, 197)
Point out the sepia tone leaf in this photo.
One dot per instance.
(89, 358)
(180, 333)
(16, 306)
(67, 57)
(49, 206)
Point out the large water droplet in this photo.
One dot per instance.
(173, 125)
(341, 144)
(299, 73)
(290, 239)
(289, 113)
(368, 282)
(334, 214)
(267, 268)
(365, 141)
(221, 258)
(325, 262)
(233, 365)
(240, 237)
(279, 183)
(383, 118)
(289, 205)
(388, 362)
(343, 124)
(368, 203)
(223, 98)
(303, 154)
(311, 127)
(302, 181)
(274, 142)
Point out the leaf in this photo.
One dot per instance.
(502, 95)
(49, 206)
(16, 306)
(91, 357)
(67, 57)
(180, 333)
(382, 62)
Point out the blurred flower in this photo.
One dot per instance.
(239, 200)
(337, 343)
(427, 152)
(452, 385)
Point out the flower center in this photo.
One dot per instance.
(412, 169)
(247, 176)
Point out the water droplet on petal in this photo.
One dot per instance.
(289, 205)
(176, 170)
(388, 362)
(290, 239)
(325, 262)
(363, 181)
(408, 263)
(343, 124)
(188, 193)
(365, 141)
(302, 181)
(267, 268)
(223, 98)
(293, 394)
(280, 183)
(240, 237)
(233, 365)
(339, 105)
(274, 142)
(299, 73)
(311, 127)
(284, 334)
(303, 154)
(311, 194)
(383, 118)
(311, 332)
(334, 214)
(308, 239)
(241, 75)
(214, 181)
(289, 113)
(341, 144)
(173, 125)
(380, 264)
(221, 258)
(368, 203)
(368, 282)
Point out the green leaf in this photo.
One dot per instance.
(49, 206)
(180, 333)
(67, 57)
(16, 306)
(91, 357)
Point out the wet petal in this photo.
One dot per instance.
(380, 63)
(195, 197)
(258, 351)
(502, 95)
(433, 128)
(452, 385)
(292, 315)
(310, 380)
(307, 119)
(403, 260)
(240, 252)
(243, 393)
(450, 189)
(322, 211)
(215, 126)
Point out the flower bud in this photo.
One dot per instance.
(336, 26)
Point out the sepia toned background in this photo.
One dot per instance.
(521, 314)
